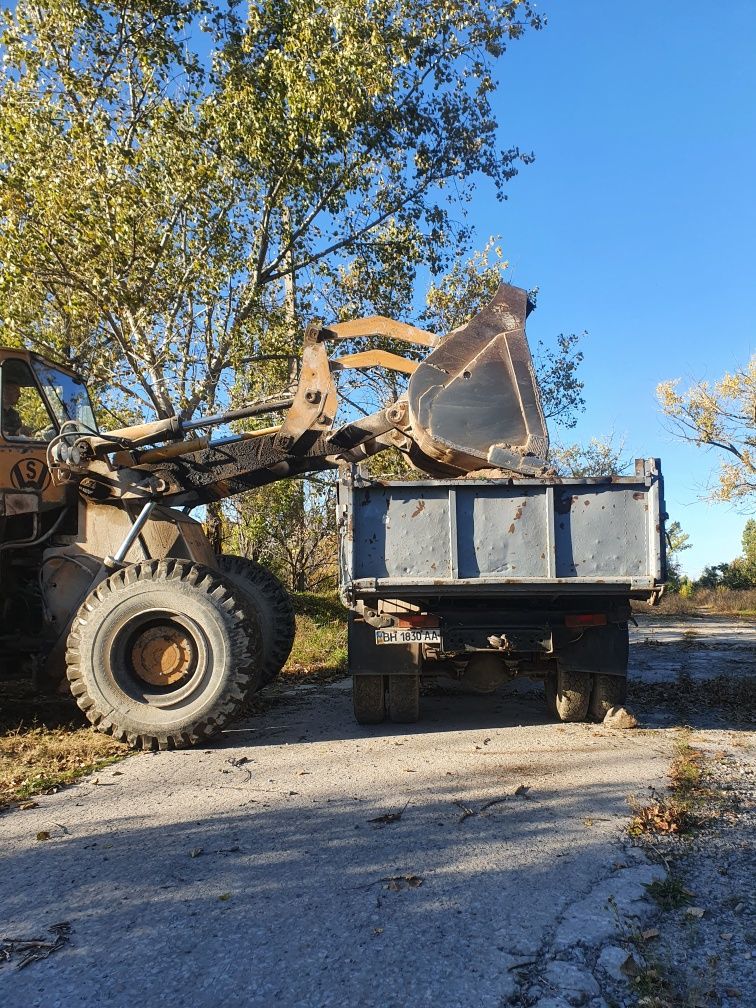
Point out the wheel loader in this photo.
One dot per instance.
(106, 579)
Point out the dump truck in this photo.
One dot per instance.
(108, 583)
(485, 580)
(503, 570)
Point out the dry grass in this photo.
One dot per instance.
(704, 601)
(687, 805)
(39, 759)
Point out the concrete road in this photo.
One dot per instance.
(251, 873)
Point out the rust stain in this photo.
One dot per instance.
(420, 507)
(511, 528)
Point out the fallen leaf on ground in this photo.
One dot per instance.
(43, 835)
(196, 851)
(25, 806)
(395, 883)
(225, 896)
(650, 933)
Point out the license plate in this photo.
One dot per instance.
(420, 635)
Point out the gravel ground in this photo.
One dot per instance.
(711, 959)
(260, 872)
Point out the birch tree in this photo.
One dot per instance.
(182, 181)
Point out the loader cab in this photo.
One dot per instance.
(38, 400)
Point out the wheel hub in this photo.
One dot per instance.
(162, 655)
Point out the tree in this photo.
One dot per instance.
(677, 542)
(289, 527)
(169, 213)
(599, 457)
(720, 416)
(740, 573)
(749, 543)
(466, 288)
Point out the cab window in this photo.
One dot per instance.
(25, 417)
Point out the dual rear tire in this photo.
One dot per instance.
(264, 594)
(572, 696)
(373, 698)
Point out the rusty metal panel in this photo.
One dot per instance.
(502, 533)
(601, 533)
(501, 536)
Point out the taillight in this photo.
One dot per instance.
(416, 620)
(585, 619)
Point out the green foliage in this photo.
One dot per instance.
(677, 542)
(172, 204)
(686, 588)
(320, 645)
(735, 576)
(740, 573)
(290, 527)
(749, 543)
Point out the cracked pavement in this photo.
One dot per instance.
(250, 873)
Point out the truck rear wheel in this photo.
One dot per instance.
(568, 694)
(368, 698)
(608, 691)
(163, 654)
(270, 600)
(404, 698)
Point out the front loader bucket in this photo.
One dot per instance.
(474, 401)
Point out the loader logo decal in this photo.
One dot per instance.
(30, 474)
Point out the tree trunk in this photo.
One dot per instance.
(214, 526)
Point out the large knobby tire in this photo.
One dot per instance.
(568, 694)
(163, 654)
(404, 698)
(269, 599)
(368, 698)
(608, 691)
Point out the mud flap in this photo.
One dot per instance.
(368, 658)
(600, 650)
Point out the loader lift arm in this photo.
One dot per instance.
(471, 404)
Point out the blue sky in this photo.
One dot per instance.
(638, 219)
